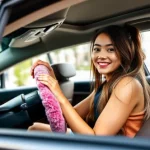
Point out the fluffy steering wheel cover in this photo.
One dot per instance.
(49, 101)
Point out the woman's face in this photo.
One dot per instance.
(104, 56)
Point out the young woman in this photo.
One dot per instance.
(120, 100)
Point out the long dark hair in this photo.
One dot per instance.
(127, 42)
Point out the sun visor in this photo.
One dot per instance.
(36, 30)
(32, 36)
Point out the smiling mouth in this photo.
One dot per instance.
(103, 64)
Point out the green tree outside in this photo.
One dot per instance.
(21, 72)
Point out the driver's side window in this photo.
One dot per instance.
(79, 56)
(19, 75)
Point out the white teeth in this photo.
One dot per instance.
(102, 63)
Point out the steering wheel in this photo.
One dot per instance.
(29, 108)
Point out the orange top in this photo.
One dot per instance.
(133, 124)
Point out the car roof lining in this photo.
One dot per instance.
(77, 19)
(82, 14)
(38, 14)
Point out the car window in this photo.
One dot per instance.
(146, 47)
(79, 56)
(19, 75)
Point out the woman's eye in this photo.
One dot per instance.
(96, 49)
(111, 50)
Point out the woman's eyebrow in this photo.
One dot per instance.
(103, 45)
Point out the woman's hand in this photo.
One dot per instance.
(40, 62)
(53, 85)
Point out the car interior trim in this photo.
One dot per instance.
(39, 14)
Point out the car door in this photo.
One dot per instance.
(14, 112)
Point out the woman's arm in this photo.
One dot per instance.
(120, 105)
(122, 102)
(83, 107)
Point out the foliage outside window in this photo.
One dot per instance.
(19, 75)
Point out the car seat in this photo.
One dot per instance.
(63, 71)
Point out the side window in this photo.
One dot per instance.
(146, 47)
(19, 75)
(79, 56)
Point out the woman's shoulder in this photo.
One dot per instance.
(128, 82)
(128, 88)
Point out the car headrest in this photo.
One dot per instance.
(63, 71)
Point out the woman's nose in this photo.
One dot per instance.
(102, 55)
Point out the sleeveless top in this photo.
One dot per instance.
(96, 100)
(133, 123)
